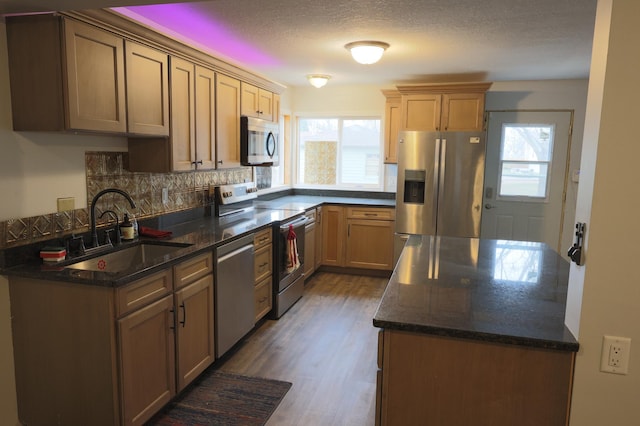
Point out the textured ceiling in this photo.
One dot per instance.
(431, 40)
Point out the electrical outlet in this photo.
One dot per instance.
(615, 354)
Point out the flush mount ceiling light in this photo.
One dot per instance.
(318, 80)
(367, 52)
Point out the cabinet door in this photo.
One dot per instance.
(369, 244)
(147, 72)
(333, 235)
(227, 122)
(205, 118)
(318, 251)
(250, 105)
(421, 112)
(194, 329)
(392, 127)
(147, 360)
(183, 137)
(309, 249)
(262, 259)
(95, 73)
(263, 298)
(462, 111)
(265, 105)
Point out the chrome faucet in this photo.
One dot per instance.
(94, 232)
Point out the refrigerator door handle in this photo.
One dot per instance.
(441, 174)
(436, 184)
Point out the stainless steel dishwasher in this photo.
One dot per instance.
(234, 292)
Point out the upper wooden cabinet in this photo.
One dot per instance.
(147, 76)
(191, 142)
(443, 107)
(227, 122)
(392, 110)
(65, 75)
(257, 102)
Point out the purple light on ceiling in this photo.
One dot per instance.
(185, 20)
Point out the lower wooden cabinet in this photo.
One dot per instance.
(434, 380)
(358, 237)
(263, 267)
(96, 355)
(310, 244)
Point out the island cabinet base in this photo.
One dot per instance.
(432, 380)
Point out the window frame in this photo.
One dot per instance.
(379, 187)
(549, 164)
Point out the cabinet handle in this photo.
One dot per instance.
(263, 265)
(262, 300)
(184, 314)
(220, 162)
(173, 319)
(371, 214)
(197, 162)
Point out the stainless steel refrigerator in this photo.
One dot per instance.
(440, 183)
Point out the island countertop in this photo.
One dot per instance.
(511, 292)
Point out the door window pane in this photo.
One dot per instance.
(525, 158)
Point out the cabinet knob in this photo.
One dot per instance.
(220, 162)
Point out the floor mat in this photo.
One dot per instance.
(218, 398)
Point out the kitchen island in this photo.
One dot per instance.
(473, 333)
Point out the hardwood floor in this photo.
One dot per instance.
(326, 346)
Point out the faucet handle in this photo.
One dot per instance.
(107, 237)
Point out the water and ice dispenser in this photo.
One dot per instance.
(414, 181)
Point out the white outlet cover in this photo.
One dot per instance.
(618, 362)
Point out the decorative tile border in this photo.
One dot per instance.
(104, 170)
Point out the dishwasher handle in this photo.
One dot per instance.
(235, 252)
(300, 221)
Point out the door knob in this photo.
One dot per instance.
(488, 206)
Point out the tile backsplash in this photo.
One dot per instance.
(186, 190)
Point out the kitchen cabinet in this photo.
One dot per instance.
(276, 108)
(358, 237)
(257, 102)
(65, 75)
(147, 77)
(310, 244)
(227, 121)
(369, 241)
(333, 235)
(443, 107)
(263, 267)
(492, 383)
(392, 109)
(191, 143)
(318, 238)
(120, 348)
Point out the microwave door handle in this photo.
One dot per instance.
(272, 139)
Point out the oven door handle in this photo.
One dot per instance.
(301, 221)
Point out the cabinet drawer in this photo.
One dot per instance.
(262, 296)
(262, 263)
(371, 213)
(192, 269)
(311, 215)
(262, 238)
(142, 292)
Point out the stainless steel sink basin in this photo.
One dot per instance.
(127, 258)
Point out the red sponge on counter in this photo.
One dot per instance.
(153, 233)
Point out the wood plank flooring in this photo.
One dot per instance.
(326, 346)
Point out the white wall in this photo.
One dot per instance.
(604, 294)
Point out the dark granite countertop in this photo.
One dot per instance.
(500, 291)
(202, 234)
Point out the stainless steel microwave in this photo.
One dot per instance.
(258, 142)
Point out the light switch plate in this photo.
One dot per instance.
(66, 204)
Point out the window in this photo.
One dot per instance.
(340, 152)
(525, 161)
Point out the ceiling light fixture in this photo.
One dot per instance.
(318, 80)
(367, 52)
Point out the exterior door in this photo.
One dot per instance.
(525, 176)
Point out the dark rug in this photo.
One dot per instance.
(218, 398)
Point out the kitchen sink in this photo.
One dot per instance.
(121, 260)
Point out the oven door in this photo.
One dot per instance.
(287, 274)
